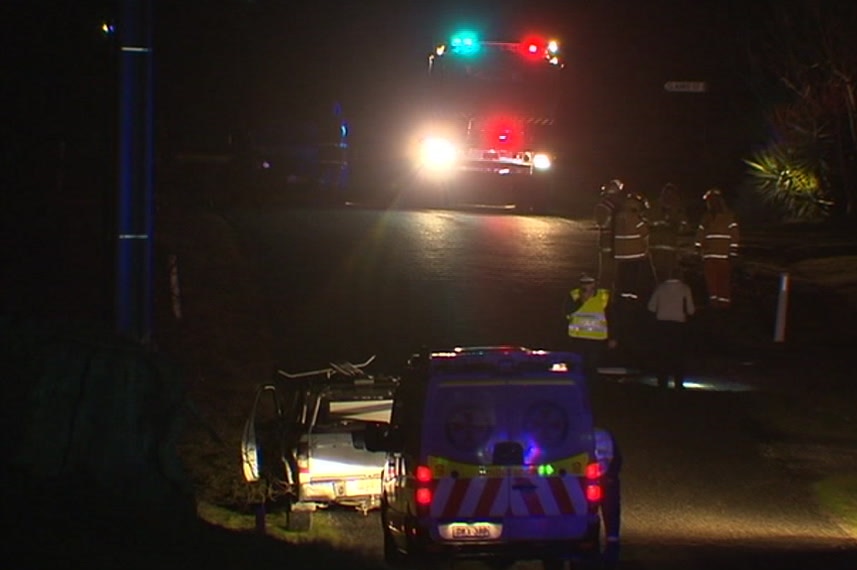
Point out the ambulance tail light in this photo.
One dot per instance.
(423, 496)
(423, 474)
(424, 492)
(592, 484)
(594, 492)
(593, 471)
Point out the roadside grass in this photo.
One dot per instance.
(322, 531)
(838, 495)
(823, 430)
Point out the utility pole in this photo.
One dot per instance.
(134, 215)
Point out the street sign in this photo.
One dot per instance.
(686, 86)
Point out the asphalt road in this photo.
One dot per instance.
(343, 284)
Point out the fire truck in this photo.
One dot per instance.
(489, 133)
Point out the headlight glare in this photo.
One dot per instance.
(541, 161)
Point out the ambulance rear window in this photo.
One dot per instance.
(466, 418)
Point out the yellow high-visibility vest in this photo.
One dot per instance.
(590, 320)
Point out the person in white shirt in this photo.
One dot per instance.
(672, 304)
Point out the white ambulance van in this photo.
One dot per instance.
(490, 455)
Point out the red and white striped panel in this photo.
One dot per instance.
(512, 496)
(467, 498)
(546, 496)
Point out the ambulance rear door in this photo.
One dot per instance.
(508, 457)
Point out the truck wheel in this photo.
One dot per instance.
(298, 521)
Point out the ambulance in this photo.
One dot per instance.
(490, 455)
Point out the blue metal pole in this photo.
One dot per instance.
(134, 216)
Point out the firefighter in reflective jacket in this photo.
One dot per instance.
(610, 459)
(586, 310)
(667, 220)
(604, 214)
(717, 239)
(634, 283)
(634, 277)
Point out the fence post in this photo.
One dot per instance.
(175, 291)
(782, 308)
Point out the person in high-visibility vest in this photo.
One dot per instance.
(717, 240)
(586, 309)
(667, 220)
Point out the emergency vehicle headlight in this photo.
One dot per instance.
(437, 153)
(541, 161)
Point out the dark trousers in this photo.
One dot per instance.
(629, 326)
(670, 352)
(611, 503)
(591, 352)
(634, 279)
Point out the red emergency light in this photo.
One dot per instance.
(538, 48)
(503, 133)
(534, 47)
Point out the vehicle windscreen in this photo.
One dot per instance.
(471, 421)
(496, 82)
(353, 406)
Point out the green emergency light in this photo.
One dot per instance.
(465, 42)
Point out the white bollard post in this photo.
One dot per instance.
(782, 308)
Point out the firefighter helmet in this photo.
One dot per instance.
(711, 193)
(669, 194)
(636, 203)
(613, 187)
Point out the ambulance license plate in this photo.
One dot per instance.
(470, 531)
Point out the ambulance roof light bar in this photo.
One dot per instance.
(486, 358)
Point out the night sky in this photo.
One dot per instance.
(226, 66)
